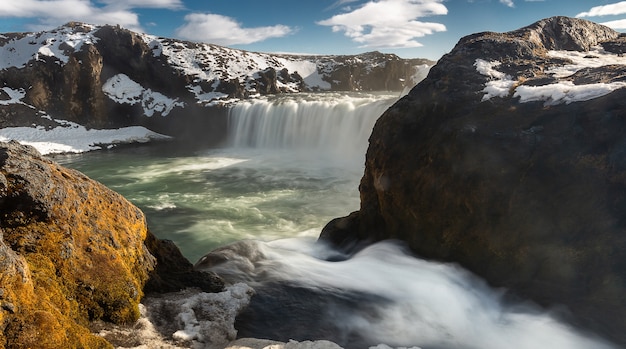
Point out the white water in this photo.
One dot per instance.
(425, 304)
(291, 164)
(325, 123)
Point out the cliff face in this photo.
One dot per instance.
(109, 77)
(72, 251)
(509, 160)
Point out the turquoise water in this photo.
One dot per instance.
(266, 190)
(205, 199)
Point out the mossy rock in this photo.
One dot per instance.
(71, 251)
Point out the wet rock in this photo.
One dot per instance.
(531, 194)
(72, 251)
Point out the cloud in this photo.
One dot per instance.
(167, 4)
(340, 3)
(51, 13)
(222, 30)
(618, 8)
(617, 24)
(388, 23)
(508, 3)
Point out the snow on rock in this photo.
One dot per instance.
(212, 62)
(56, 43)
(500, 85)
(74, 138)
(123, 90)
(562, 91)
(565, 92)
(15, 96)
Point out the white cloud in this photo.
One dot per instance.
(51, 13)
(605, 10)
(617, 24)
(222, 30)
(388, 23)
(168, 4)
(340, 3)
(508, 3)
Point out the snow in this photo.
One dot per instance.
(123, 90)
(74, 138)
(596, 57)
(308, 72)
(15, 96)
(206, 96)
(18, 52)
(213, 63)
(564, 91)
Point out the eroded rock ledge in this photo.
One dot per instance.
(510, 159)
(71, 252)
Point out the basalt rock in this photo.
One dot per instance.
(513, 167)
(71, 252)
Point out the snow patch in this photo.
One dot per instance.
(503, 85)
(123, 90)
(74, 138)
(307, 70)
(565, 92)
(596, 57)
(15, 96)
(500, 85)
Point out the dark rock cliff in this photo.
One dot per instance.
(109, 77)
(510, 159)
(73, 251)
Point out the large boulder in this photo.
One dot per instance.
(510, 159)
(71, 252)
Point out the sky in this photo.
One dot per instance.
(408, 28)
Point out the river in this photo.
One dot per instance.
(291, 164)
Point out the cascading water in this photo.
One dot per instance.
(291, 164)
(327, 123)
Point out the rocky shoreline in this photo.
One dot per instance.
(507, 159)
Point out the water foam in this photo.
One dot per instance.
(383, 294)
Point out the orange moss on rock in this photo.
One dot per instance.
(71, 251)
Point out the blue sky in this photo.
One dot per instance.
(408, 28)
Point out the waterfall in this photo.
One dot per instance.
(321, 122)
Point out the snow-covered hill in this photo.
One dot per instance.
(109, 77)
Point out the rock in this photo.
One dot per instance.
(251, 343)
(169, 86)
(72, 251)
(498, 162)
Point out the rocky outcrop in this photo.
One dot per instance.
(110, 77)
(73, 251)
(509, 160)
